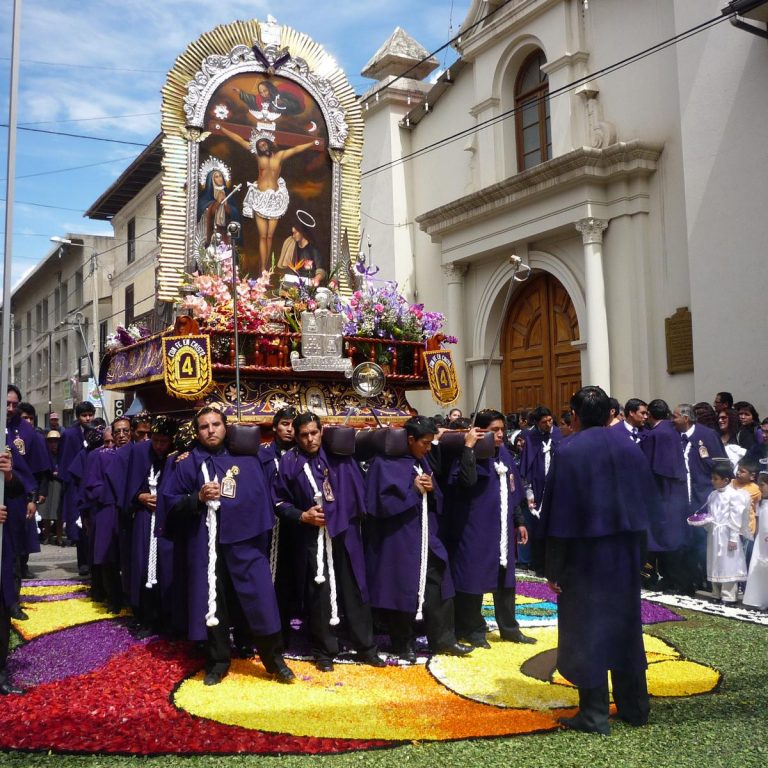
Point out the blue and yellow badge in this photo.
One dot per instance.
(442, 376)
(187, 366)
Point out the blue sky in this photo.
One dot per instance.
(96, 67)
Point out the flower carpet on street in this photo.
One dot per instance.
(93, 688)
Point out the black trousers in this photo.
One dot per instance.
(470, 623)
(438, 614)
(678, 569)
(218, 649)
(630, 693)
(359, 623)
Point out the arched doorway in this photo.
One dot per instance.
(540, 365)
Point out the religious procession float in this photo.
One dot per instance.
(260, 248)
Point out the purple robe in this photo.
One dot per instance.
(705, 445)
(599, 498)
(621, 428)
(473, 524)
(142, 460)
(100, 501)
(532, 459)
(243, 525)
(662, 447)
(71, 470)
(292, 494)
(33, 451)
(393, 533)
(16, 504)
(176, 537)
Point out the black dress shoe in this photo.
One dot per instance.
(18, 614)
(6, 689)
(407, 654)
(324, 665)
(216, 675)
(283, 673)
(372, 659)
(478, 642)
(576, 723)
(517, 637)
(455, 649)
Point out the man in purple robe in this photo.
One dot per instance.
(104, 467)
(19, 483)
(33, 453)
(73, 444)
(151, 566)
(669, 532)
(407, 564)
(701, 445)
(540, 446)
(635, 420)
(222, 502)
(323, 495)
(286, 546)
(28, 413)
(483, 524)
(597, 504)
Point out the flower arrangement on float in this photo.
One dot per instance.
(125, 336)
(378, 319)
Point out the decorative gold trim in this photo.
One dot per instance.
(176, 138)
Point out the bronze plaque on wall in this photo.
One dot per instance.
(678, 331)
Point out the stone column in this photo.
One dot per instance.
(598, 353)
(454, 323)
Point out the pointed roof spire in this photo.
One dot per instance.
(397, 55)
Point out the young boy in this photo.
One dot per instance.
(756, 593)
(746, 473)
(724, 518)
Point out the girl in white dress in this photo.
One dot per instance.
(756, 593)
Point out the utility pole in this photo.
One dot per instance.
(95, 330)
(10, 178)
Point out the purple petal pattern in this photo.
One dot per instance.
(68, 652)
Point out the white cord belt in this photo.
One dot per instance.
(501, 471)
(424, 548)
(153, 480)
(324, 551)
(210, 522)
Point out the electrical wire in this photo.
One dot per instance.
(76, 136)
(610, 69)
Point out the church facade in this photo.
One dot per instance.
(634, 192)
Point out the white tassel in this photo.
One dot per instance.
(210, 521)
(547, 448)
(324, 551)
(153, 479)
(424, 548)
(501, 471)
(688, 468)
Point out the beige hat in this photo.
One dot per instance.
(53, 435)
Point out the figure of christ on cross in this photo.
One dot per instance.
(267, 198)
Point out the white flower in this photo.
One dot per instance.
(221, 112)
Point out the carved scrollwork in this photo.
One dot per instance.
(216, 68)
